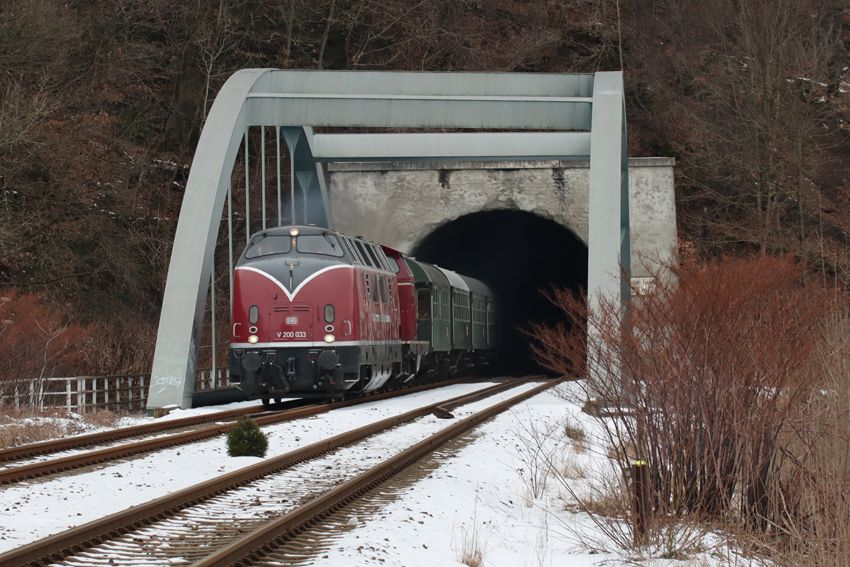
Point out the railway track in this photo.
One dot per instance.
(13, 470)
(275, 497)
(92, 439)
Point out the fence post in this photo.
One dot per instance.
(640, 501)
(80, 395)
(68, 395)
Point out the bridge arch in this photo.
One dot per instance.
(517, 116)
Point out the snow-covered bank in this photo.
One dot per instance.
(481, 496)
(36, 509)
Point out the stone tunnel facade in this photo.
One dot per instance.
(399, 204)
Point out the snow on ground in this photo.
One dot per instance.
(481, 496)
(482, 493)
(35, 509)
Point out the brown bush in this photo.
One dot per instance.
(20, 427)
(724, 381)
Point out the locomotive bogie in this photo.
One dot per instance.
(303, 371)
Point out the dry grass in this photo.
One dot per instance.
(471, 553)
(21, 427)
(102, 418)
(575, 433)
(571, 467)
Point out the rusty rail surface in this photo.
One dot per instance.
(249, 548)
(56, 547)
(62, 464)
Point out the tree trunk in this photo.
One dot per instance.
(326, 34)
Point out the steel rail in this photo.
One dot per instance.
(62, 464)
(248, 548)
(56, 547)
(56, 445)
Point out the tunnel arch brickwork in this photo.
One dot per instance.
(400, 203)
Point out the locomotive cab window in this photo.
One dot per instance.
(267, 245)
(325, 244)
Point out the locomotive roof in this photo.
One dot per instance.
(346, 254)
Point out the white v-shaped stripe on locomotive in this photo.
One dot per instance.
(279, 284)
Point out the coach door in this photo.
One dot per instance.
(423, 314)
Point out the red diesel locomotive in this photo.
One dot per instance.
(317, 313)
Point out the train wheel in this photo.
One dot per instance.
(265, 400)
(278, 399)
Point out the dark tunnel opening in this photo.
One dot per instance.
(518, 254)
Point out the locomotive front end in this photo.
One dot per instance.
(293, 319)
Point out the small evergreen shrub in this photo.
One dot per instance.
(246, 440)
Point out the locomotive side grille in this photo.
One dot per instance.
(301, 308)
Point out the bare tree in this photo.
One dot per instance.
(215, 38)
(741, 90)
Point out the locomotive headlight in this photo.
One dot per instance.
(293, 232)
(253, 339)
(329, 338)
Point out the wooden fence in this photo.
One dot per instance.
(83, 394)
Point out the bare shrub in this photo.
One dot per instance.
(570, 466)
(714, 381)
(814, 529)
(538, 446)
(20, 427)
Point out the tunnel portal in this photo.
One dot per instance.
(519, 255)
